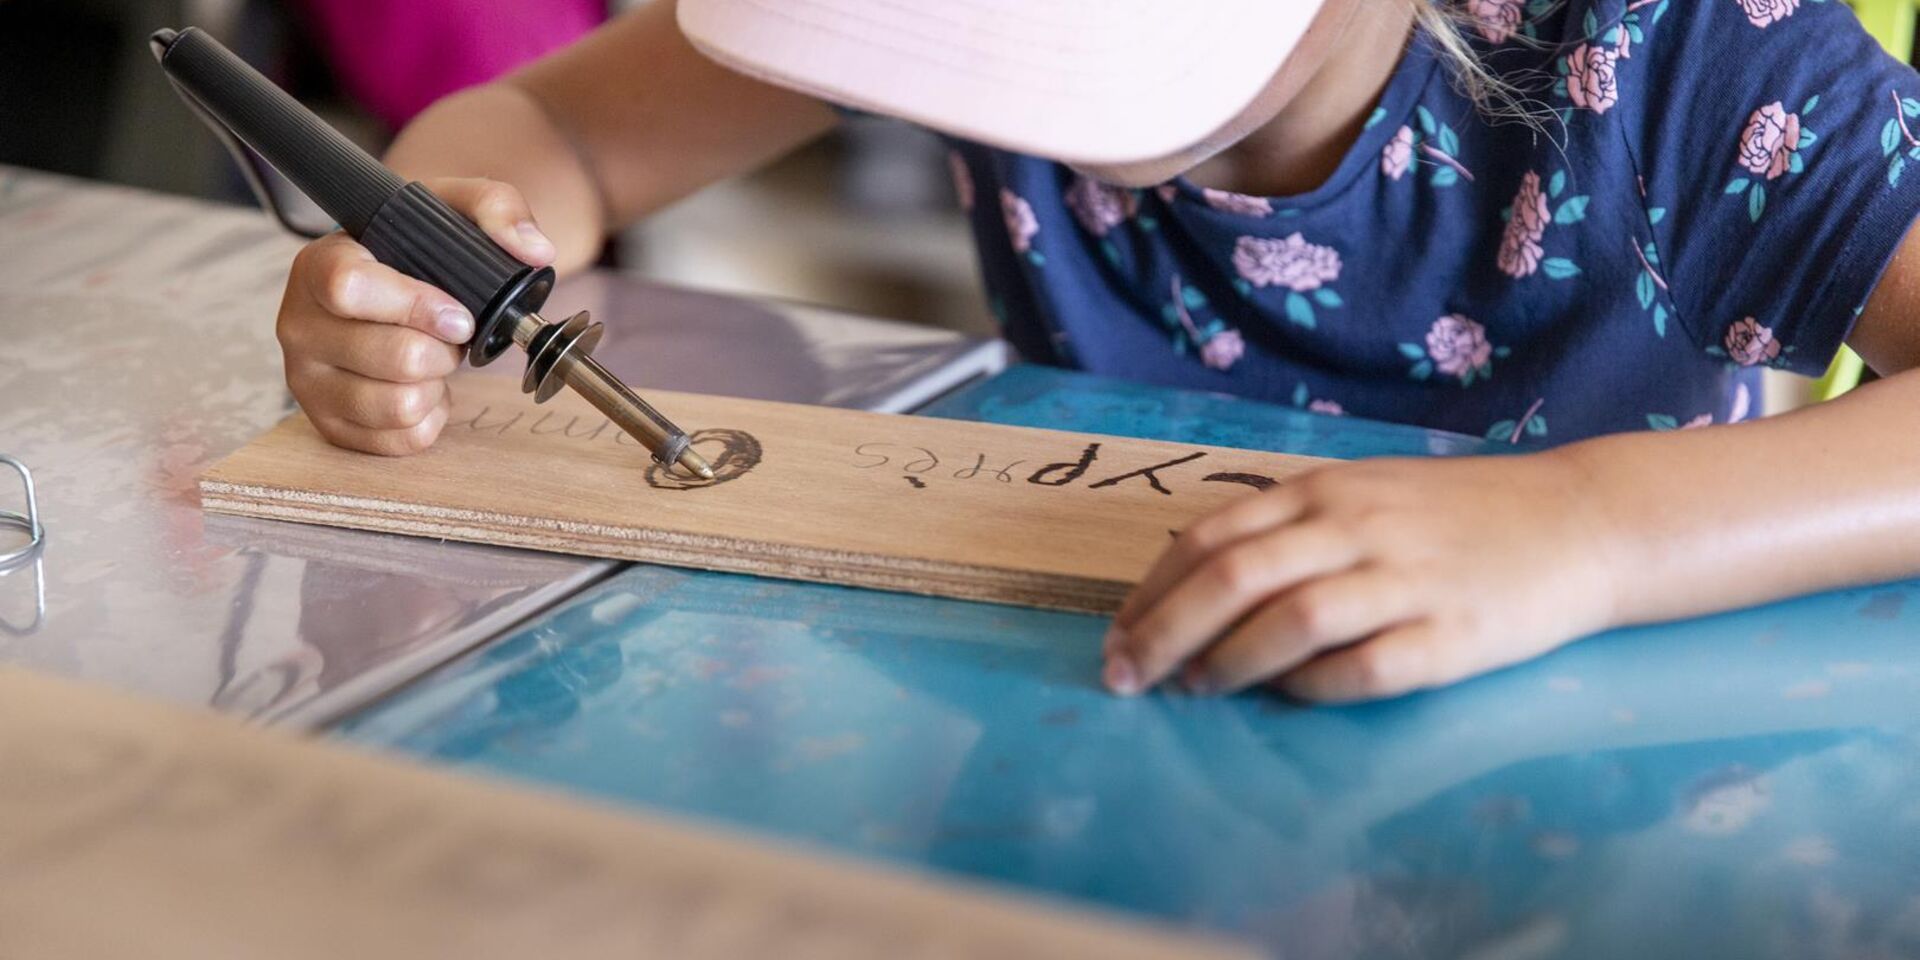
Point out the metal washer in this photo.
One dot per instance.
(29, 521)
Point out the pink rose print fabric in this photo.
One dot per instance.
(1291, 262)
(1238, 203)
(1458, 345)
(1706, 203)
(1530, 212)
(1496, 20)
(1770, 148)
(1455, 347)
(1098, 206)
(1022, 225)
(1223, 350)
(1305, 270)
(1593, 77)
(1534, 210)
(1750, 344)
(1590, 73)
(1398, 154)
(1766, 13)
(1520, 254)
(1768, 143)
(1520, 251)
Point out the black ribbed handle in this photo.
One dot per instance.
(403, 224)
(347, 183)
(417, 234)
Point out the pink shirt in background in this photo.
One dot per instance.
(396, 58)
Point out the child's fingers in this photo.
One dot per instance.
(362, 401)
(501, 211)
(1204, 538)
(1317, 615)
(1399, 660)
(380, 351)
(343, 279)
(1219, 592)
(402, 442)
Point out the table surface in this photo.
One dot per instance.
(139, 348)
(1744, 785)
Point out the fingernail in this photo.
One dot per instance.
(1195, 680)
(1120, 677)
(453, 325)
(537, 242)
(1111, 640)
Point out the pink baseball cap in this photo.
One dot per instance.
(1084, 81)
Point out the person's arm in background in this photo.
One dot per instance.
(582, 142)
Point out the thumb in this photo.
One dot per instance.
(499, 210)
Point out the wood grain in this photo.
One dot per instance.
(132, 829)
(944, 507)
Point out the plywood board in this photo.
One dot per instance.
(132, 829)
(943, 507)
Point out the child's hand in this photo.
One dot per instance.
(1371, 580)
(368, 349)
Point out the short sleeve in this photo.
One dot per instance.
(1778, 148)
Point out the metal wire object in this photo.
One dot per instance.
(29, 521)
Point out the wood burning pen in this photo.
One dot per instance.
(408, 228)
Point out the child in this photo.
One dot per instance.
(1312, 199)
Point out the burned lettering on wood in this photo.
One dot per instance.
(1073, 469)
(1150, 473)
(568, 426)
(915, 461)
(1253, 480)
(980, 462)
(478, 423)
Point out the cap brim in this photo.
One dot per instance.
(1083, 81)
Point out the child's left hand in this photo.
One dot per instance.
(1374, 579)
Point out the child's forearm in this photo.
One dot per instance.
(610, 129)
(1701, 521)
(1372, 579)
(498, 131)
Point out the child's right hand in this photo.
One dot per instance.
(368, 349)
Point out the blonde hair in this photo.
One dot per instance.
(1498, 98)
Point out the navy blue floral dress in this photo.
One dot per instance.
(1725, 182)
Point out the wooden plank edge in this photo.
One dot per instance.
(723, 554)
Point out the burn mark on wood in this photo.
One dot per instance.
(1149, 473)
(1073, 469)
(1253, 480)
(731, 453)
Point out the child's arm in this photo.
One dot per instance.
(610, 129)
(1377, 578)
(600, 134)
